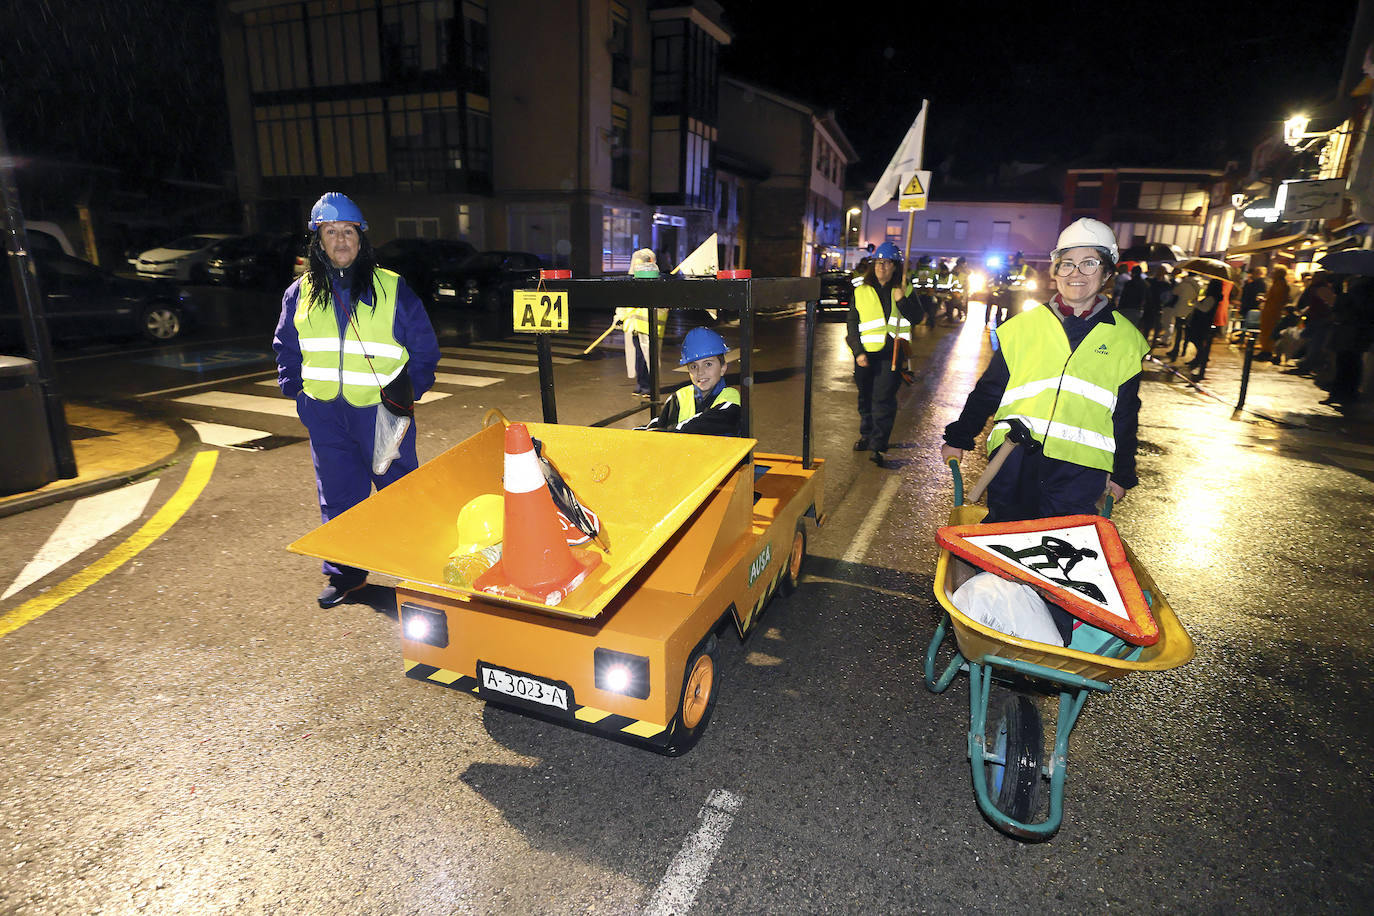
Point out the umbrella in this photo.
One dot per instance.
(1351, 261)
(1154, 252)
(1206, 267)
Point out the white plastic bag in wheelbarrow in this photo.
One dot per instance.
(1007, 607)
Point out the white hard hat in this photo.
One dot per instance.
(1088, 232)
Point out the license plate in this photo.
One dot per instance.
(524, 687)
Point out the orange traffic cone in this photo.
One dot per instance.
(535, 557)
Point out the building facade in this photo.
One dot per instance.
(576, 131)
(1167, 206)
(797, 216)
(976, 230)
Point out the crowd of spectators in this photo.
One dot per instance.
(1317, 325)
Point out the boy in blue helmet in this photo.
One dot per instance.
(706, 407)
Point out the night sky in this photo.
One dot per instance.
(1109, 83)
(138, 85)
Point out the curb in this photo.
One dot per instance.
(188, 443)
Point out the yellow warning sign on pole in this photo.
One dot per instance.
(914, 191)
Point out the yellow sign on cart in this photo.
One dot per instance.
(540, 312)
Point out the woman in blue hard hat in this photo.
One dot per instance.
(876, 323)
(706, 407)
(349, 333)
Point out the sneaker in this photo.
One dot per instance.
(860, 445)
(338, 589)
(878, 459)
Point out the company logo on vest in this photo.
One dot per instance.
(1101, 348)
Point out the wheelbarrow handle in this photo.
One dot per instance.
(958, 481)
(993, 467)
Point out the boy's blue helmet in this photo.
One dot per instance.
(887, 252)
(700, 343)
(334, 207)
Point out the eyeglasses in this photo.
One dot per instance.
(1086, 266)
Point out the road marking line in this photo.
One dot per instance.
(87, 523)
(280, 407)
(516, 356)
(225, 436)
(211, 383)
(517, 368)
(196, 478)
(469, 381)
(859, 546)
(678, 889)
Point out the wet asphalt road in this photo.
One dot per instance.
(191, 734)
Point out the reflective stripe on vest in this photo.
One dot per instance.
(874, 328)
(357, 368)
(1066, 398)
(687, 401)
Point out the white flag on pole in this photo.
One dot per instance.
(906, 160)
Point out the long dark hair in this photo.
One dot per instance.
(897, 273)
(364, 269)
(1213, 290)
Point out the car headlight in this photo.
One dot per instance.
(622, 673)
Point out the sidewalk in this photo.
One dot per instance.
(112, 447)
(1288, 400)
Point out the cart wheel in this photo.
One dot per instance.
(1019, 740)
(698, 699)
(796, 559)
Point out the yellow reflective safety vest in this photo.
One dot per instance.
(874, 326)
(636, 321)
(361, 362)
(687, 401)
(1066, 397)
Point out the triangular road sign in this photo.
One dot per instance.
(1076, 561)
(914, 186)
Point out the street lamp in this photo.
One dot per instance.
(852, 224)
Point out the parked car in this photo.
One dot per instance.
(264, 259)
(83, 301)
(182, 259)
(484, 280)
(837, 285)
(416, 259)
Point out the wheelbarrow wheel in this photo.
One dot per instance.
(1019, 740)
(698, 700)
(796, 559)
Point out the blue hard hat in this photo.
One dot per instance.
(887, 252)
(335, 207)
(700, 343)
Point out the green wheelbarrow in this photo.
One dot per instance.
(1006, 751)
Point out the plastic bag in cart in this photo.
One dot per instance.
(386, 439)
(1007, 607)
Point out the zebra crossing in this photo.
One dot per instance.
(248, 413)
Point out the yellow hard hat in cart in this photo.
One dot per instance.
(480, 524)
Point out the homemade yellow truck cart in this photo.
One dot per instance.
(627, 648)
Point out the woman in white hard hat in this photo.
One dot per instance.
(1069, 370)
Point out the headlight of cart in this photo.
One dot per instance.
(424, 624)
(620, 672)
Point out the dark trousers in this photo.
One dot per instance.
(1180, 348)
(641, 365)
(1029, 485)
(1345, 382)
(877, 385)
(341, 450)
(1203, 342)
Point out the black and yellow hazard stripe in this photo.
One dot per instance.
(748, 620)
(588, 718)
